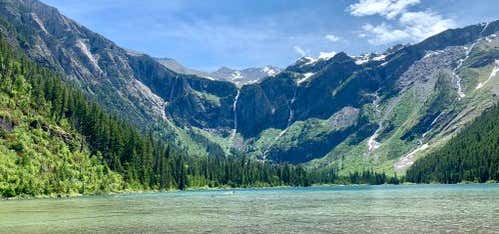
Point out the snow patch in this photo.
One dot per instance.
(362, 59)
(493, 73)
(326, 55)
(306, 76)
(384, 63)
(437, 118)
(409, 159)
(236, 75)
(365, 58)
(372, 144)
(310, 60)
(209, 77)
(270, 71)
(380, 57)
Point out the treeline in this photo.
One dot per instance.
(330, 176)
(142, 160)
(472, 155)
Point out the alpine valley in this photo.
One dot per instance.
(378, 112)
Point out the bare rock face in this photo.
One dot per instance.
(344, 118)
(445, 70)
(122, 81)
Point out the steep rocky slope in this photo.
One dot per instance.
(129, 83)
(378, 111)
(408, 101)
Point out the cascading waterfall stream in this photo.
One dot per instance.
(234, 109)
(372, 144)
(461, 62)
(290, 121)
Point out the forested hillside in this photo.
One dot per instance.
(378, 111)
(40, 153)
(473, 155)
(54, 141)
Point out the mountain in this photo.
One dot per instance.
(380, 111)
(350, 113)
(244, 76)
(175, 66)
(238, 77)
(472, 155)
(128, 83)
(55, 142)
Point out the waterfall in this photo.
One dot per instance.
(234, 109)
(372, 144)
(289, 122)
(291, 111)
(461, 62)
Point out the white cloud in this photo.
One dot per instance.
(387, 8)
(299, 50)
(383, 34)
(421, 25)
(401, 25)
(326, 55)
(332, 38)
(413, 27)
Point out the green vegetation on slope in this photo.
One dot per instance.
(473, 155)
(39, 152)
(54, 141)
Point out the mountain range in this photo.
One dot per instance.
(379, 111)
(238, 77)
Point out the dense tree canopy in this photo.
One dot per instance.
(473, 155)
(117, 156)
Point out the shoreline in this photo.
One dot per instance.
(201, 189)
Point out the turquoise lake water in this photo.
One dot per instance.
(470, 208)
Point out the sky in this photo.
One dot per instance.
(210, 34)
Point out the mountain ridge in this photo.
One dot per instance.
(239, 77)
(395, 102)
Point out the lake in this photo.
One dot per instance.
(339, 209)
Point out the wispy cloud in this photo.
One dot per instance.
(300, 51)
(383, 34)
(387, 8)
(213, 33)
(401, 24)
(332, 38)
(423, 24)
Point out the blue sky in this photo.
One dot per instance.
(212, 33)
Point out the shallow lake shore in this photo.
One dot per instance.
(413, 208)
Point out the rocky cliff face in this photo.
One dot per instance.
(131, 84)
(377, 110)
(410, 99)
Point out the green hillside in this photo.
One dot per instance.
(473, 155)
(54, 141)
(40, 153)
